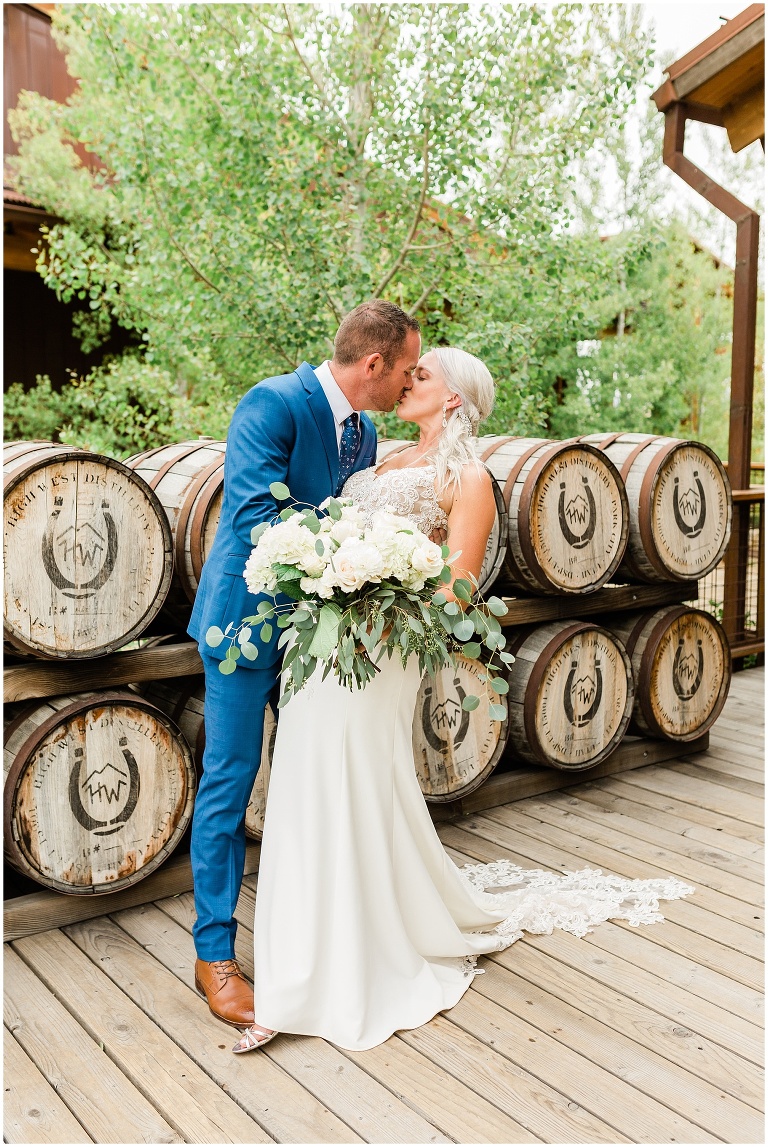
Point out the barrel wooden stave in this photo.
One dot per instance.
(87, 552)
(567, 514)
(680, 505)
(495, 549)
(185, 706)
(188, 478)
(682, 666)
(570, 694)
(99, 789)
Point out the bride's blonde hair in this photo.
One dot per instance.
(457, 446)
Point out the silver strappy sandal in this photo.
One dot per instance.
(250, 1041)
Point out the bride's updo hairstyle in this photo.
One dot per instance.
(471, 379)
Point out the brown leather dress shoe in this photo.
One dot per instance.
(229, 995)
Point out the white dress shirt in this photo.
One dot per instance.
(340, 405)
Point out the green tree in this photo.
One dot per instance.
(267, 167)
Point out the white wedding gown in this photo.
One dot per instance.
(364, 926)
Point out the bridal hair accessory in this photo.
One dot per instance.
(349, 583)
(465, 420)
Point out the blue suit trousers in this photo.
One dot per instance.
(234, 724)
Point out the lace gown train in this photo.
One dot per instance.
(364, 926)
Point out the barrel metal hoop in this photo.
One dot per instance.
(646, 664)
(524, 512)
(644, 520)
(156, 604)
(530, 700)
(604, 443)
(628, 462)
(496, 446)
(191, 449)
(206, 496)
(81, 705)
(184, 514)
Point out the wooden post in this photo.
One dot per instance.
(743, 356)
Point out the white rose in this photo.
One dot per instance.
(427, 559)
(356, 562)
(343, 529)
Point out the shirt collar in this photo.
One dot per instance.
(340, 405)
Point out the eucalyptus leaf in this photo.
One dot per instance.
(496, 606)
(214, 636)
(244, 635)
(249, 650)
(470, 702)
(499, 685)
(472, 649)
(265, 632)
(279, 491)
(497, 712)
(256, 533)
(227, 667)
(326, 633)
(463, 629)
(462, 589)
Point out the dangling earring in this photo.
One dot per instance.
(445, 420)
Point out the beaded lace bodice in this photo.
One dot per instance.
(409, 491)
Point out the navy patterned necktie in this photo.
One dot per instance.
(348, 447)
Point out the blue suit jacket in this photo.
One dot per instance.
(282, 431)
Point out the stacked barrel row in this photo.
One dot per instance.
(99, 787)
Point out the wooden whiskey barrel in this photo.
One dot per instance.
(188, 478)
(455, 750)
(682, 668)
(570, 694)
(99, 789)
(567, 513)
(87, 552)
(497, 541)
(184, 705)
(680, 505)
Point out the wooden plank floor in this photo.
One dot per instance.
(645, 1035)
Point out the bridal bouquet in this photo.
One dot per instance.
(357, 593)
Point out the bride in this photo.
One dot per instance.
(363, 925)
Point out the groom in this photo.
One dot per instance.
(303, 429)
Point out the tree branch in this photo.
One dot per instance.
(403, 252)
(423, 297)
(318, 83)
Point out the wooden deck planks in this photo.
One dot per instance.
(32, 1111)
(370, 1110)
(187, 1098)
(280, 1105)
(104, 1102)
(627, 1035)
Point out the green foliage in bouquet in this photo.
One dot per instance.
(349, 633)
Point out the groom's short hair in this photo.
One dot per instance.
(373, 327)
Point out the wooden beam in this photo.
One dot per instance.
(39, 911)
(530, 780)
(51, 678)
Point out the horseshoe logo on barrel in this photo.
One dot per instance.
(582, 696)
(444, 716)
(578, 517)
(690, 508)
(102, 787)
(80, 548)
(687, 671)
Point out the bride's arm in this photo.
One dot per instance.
(470, 522)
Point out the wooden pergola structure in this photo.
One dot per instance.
(722, 81)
